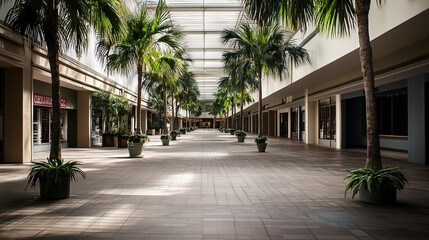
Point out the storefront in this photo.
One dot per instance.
(42, 117)
(327, 122)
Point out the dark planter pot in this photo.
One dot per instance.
(165, 141)
(384, 195)
(109, 140)
(182, 131)
(241, 138)
(261, 147)
(123, 141)
(54, 192)
(173, 136)
(135, 149)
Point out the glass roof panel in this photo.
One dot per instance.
(202, 22)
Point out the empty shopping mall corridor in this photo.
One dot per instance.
(206, 185)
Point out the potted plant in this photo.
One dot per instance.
(261, 143)
(375, 186)
(182, 130)
(135, 144)
(174, 134)
(231, 131)
(123, 136)
(241, 135)
(108, 103)
(54, 177)
(165, 138)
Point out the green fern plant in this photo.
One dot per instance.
(261, 139)
(240, 133)
(370, 179)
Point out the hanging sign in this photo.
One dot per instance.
(46, 101)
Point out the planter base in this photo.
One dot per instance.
(384, 195)
(240, 139)
(135, 149)
(261, 147)
(165, 142)
(60, 191)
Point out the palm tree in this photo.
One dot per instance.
(146, 32)
(164, 73)
(231, 89)
(185, 84)
(244, 75)
(222, 97)
(335, 18)
(267, 51)
(188, 93)
(62, 24)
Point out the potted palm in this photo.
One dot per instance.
(241, 135)
(261, 143)
(106, 101)
(54, 177)
(174, 134)
(135, 144)
(165, 138)
(376, 186)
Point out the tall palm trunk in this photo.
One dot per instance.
(51, 37)
(177, 114)
(139, 97)
(164, 97)
(227, 118)
(173, 124)
(259, 70)
(373, 159)
(241, 106)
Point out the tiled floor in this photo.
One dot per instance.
(205, 185)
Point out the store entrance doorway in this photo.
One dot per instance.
(1, 114)
(284, 124)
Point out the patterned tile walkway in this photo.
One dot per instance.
(205, 185)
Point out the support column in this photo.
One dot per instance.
(416, 120)
(144, 121)
(84, 119)
(310, 120)
(18, 108)
(338, 128)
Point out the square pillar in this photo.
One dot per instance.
(84, 119)
(144, 121)
(310, 120)
(18, 109)
(338, 128)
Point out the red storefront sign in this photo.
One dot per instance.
(46, 101)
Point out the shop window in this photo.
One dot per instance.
(392, 112)
(42, 119)
(327, 118)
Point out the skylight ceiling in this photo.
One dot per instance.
(202, 22)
